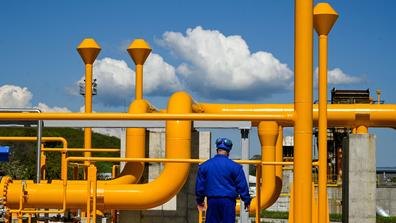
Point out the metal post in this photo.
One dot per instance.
(38, 165)
(244, 216)
(303, 100)
(122, 147)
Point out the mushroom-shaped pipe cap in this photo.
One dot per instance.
(324, 18)
(88, 50)
(139, 50)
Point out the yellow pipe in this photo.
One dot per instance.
(361, 129)
(268, 134)
(135, 147)
(303, 98)
(139, 50)
(76, 194)
(105, 150)
(322, 135)
(278, 168)
(88, 109)
(44, 139)
(139, 82)
(43, 160)
(155, 116)
(345, 115)
(88, 50)
(324, 19)
(258, 192)
(130, 196)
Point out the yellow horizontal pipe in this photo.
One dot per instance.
(108, 150)
(346, 115)
(151, 116)
(29, 138)
(164, 160)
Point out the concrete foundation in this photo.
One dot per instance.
(359, 187)
(386, 199)
(181, 208)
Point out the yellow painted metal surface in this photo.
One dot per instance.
(124, 193)
(268, 135)
(303, 100)
(88, 50)
(139, 50)
(324, 19)
(278, 168)
(135, 147)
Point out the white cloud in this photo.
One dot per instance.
(12, 96)
(116, 132)
(45, 108)
(116, 80)
(337, 77)
(223, 66)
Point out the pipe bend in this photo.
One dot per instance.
(174, 175)
(278, 168)
(123, 196)
(268, 134)
(135, 147)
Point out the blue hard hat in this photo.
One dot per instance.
(224, 143)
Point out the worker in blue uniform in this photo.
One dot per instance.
(221, 180)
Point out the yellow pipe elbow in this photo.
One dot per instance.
(268, 134)
(278, 168)
(135, 147)
(174, 175)
(122, 196)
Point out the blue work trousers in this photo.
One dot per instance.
(220, 210)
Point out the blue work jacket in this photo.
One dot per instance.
(221, 177)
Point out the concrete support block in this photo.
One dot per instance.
(181, 208)
(360, 186)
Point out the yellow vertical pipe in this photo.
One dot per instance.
(139, 50)
(268, 134)
(322, 184)
(135, 145)
(139, 81)
(43, 162)
(278, 168)
(88, 50)
(88, 202)
(88, 109)
(303, 100)
(258, 192)
(361, 129)
(324, 19)
(63, 165)
(93, 181)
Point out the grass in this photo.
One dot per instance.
(333, 217)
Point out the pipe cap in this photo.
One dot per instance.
(324, 18)
(88, 50)
(139, 50)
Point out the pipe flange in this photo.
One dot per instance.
(4, 182)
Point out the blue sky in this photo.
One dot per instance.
(219, 59)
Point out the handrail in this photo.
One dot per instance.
(164, 160)
(107, 150)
